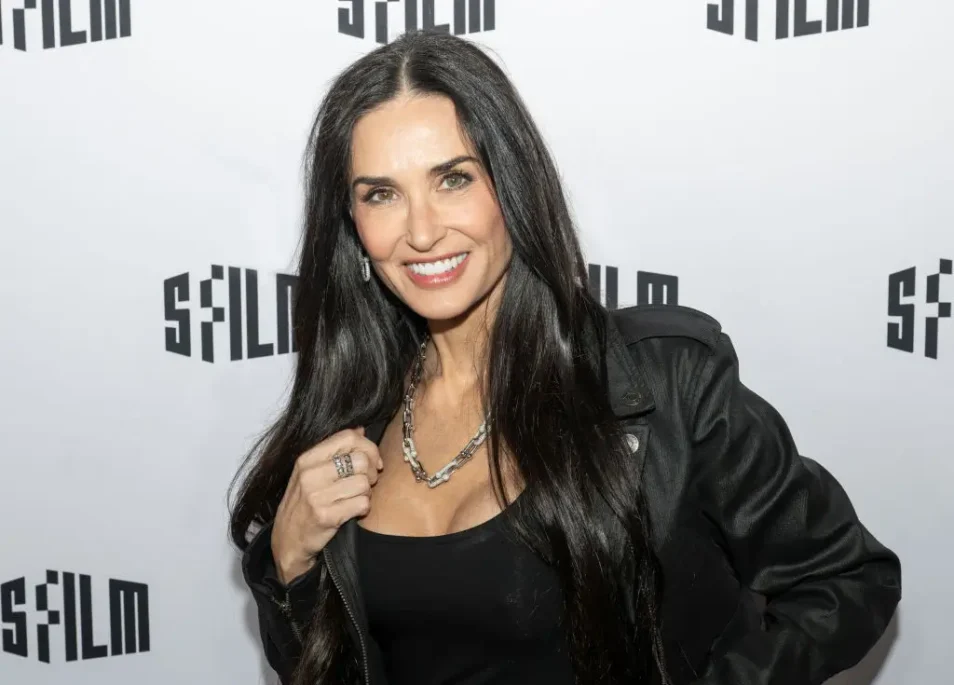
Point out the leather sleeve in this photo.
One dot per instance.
(284, 612)
(791, 534)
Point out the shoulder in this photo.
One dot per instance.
(674, 349)
(676, 323)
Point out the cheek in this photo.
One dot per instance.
(502, 236)
(378, 236)
(485, 221)
(497, 234)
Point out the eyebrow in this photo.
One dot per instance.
(441, 168)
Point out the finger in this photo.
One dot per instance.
(331, 445)
(362, 465)
(359, 484)
(323, 475)
(342, 442)
(338, 513)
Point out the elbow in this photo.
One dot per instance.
(884, 581)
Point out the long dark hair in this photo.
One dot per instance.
(582, 510)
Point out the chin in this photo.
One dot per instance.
(442, 311)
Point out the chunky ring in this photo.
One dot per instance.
(349, 466)
(339, 466)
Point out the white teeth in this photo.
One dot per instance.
(435, 268)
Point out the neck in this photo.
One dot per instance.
(457, 355)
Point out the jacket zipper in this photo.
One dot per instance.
(354, 620)
(285, 606)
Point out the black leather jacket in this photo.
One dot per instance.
(737, 515)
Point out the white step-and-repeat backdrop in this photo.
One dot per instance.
(783, 165)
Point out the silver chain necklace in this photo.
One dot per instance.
(410, 451)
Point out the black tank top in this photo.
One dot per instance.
(469, 608)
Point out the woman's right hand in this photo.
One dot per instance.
(316, 502)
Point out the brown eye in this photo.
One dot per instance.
(379, 196)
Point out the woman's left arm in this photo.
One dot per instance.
(791, 534)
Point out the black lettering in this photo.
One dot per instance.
(13, 594)
(932, 323)
(179, 337)
(610, 296)
(381, 18)
(490, 14)
(469, 16)
(218, 313)
(255, 348)
(19, 25)
(52, 616)
(752, 20)
(235, 313)
(128, 616)
(901, 334)
(285, 287)
(67, 35)
(410, 15)
(95, 21)
(117, 22)
(69, 616)
(853, 13)
(612, 287)
(121, 21)
(652, 288)
(594, 281)
(781, 19)
(90, 649)
(804, 27)
(430, 17)
(721, 19)
(864, 12)
(351, 21)
(831, 17)
(49, 28)
(460, 16)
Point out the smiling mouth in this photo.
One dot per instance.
(439, 267)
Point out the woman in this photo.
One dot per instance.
(482, 476)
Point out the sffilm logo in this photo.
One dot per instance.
(469, 16)
(108, 19)
(242, 329)
(903, 284)
(128, 617)
(651, 288)
(791, 17)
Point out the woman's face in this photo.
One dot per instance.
(425, 209)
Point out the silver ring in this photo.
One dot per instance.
(339, 466)
(349, 466)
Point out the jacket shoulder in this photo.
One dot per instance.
(649, 321)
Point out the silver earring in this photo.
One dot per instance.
(365, 268)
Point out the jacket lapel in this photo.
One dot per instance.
(341, 552)
(629, 391)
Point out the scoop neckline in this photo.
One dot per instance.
(458, 535)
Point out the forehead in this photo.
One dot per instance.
(409, 133)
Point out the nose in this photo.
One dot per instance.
(424, 227)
